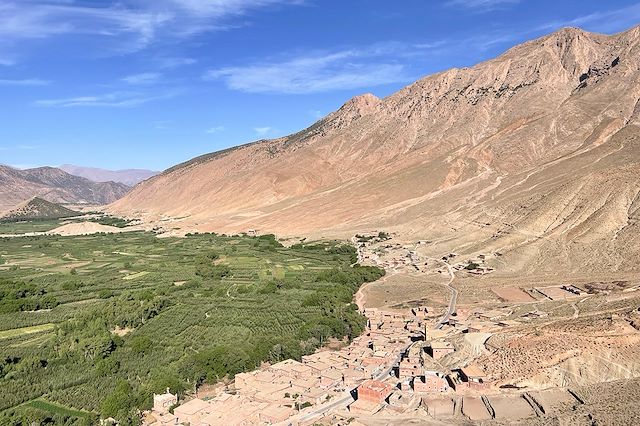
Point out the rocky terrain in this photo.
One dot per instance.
(129, 177)
(53, 185)
(533, 154)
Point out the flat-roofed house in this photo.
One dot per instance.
(275, 414)
(409, 369)
(374, 391)
(473, 375)
(291, 368)
(430, 382)
(330, 378)
(192, 411)
(438, 349)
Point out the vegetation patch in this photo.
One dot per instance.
(26, 330)
(235, 308)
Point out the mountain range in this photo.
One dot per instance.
(54, 185)
(534, 154)
(129, 177)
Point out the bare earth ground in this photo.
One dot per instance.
(577, 359)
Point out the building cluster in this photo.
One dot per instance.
(280, 391)
(390, 367)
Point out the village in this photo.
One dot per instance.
(413, 362)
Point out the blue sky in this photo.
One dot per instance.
(150, 83)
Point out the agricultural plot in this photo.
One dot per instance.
(240, 301)
(17, 332)
(23, 227)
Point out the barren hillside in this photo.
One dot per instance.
(37, 208)
(533, 154)
(54, 185)
(129, 177)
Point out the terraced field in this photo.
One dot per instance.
(196, 309)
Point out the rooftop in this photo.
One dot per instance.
(472, 371)
(376, 386)
(193, 406)
(441, 345)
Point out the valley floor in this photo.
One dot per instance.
(451, 340)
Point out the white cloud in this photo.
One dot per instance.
(134, 24)
(143, 78)
(215, 129)
(175, 62)
(114, 99)
(24, 166)
(347, 69)
(481, 5)
(24, 82)
(262, 131)
(611, 20)
(41, 19)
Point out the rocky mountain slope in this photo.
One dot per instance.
(37, 208)
(533, 154)
(54, 185)
(129, 177)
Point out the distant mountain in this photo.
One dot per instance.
(54, 185)
(534, 155)
(37, 208)
(129, 177)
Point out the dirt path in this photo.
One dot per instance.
(360, 297)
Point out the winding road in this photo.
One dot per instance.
(452, 302)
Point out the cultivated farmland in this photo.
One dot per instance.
(93, 325)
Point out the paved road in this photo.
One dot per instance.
(452, 302)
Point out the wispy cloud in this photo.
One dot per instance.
(114, 99)
(611, 20)
(481, 5)
(162, 124)
(215, 129)
(133, 23)
(262, 131)
(321, 72)
(143, 78)
(24, 82)
(24, 166)
(43, 19)
(175, 62)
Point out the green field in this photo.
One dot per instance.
(23, 227)
(96, 324)
(17, 332)
(17, 227)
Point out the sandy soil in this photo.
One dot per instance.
(86, 228)
(510, 407)
(474, 408)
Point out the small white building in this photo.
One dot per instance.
(162, 402)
